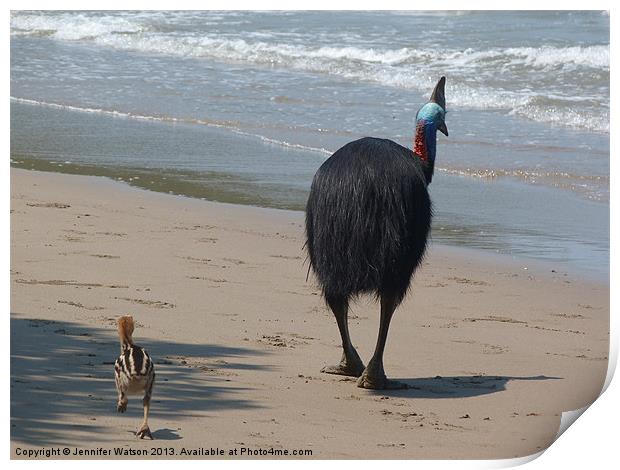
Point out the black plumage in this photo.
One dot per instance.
(368, 218)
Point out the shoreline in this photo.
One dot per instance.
(526, 262)
(547, 221)
(493, 353)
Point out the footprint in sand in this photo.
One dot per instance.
(437, 284)
(285, 340)
(210, 279)
(113, 234)
(285, 257)
(274, 340)
(53, 205)
(150, 303)
(69, 238)
(464, 280)
(207, 240)
(208, 261)
(568, 315)
(37, 323)
(104, 256)
(193, 227)
(79, 305)
(493, 349)
(278, 341)
(58, 282)
(495, 318)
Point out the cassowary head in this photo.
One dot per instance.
(429, 120)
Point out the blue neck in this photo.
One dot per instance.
(425, 143)
(430, 136)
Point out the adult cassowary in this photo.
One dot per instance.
(367, 222)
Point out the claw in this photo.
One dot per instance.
(350, 365)
(343, 369)
(380, 383)
(374, 378)
(144, 432)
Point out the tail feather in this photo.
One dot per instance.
(125, 330)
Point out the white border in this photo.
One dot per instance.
(591, 443)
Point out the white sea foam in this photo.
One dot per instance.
(588, 56)
(282, 143)
(118, 31)
(400, 68)
(92, 110)
(232, 126)
(71, 26)
(347, 58)
(572, 117)
(594, 187)
(473, 72)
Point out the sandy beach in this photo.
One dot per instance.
(493, 348)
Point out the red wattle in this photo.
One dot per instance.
(419, 144)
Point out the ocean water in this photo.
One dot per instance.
(244, 107)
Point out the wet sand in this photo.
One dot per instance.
(492, 352)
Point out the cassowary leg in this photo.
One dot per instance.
(374, 376)
(350, 364)
(121, 405)
(144, 430)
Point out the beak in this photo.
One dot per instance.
(442, 127)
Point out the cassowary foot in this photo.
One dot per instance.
(374, 379)
(351, 366)
(144, 432)
(121, 407)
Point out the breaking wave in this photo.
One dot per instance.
(480, 79)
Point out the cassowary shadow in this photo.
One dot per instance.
(462, 386)
(166, 434)
(62, 373)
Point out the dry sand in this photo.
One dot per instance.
(493, 353)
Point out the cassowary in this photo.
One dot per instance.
(134, 373)
(367, 221)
